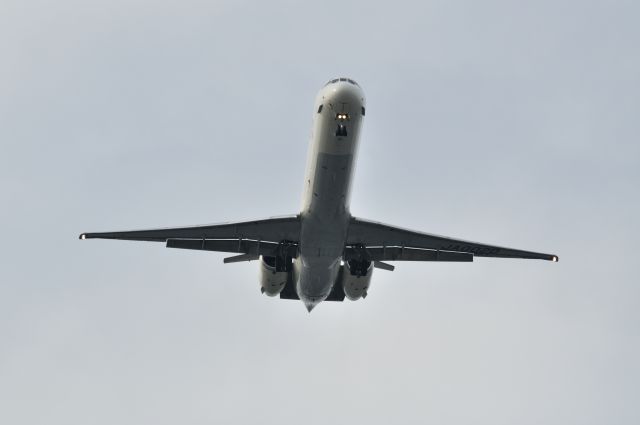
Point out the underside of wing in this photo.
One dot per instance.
(396, 244)
(257, 237)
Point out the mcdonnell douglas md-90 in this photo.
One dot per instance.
(323, 253)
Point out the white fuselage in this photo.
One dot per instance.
(338, 113)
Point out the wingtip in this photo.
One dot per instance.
(82, 236)
(554, 258)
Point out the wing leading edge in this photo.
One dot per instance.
(371, 234)
(257, 237)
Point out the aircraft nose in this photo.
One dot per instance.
(343, 90)
(345, 93)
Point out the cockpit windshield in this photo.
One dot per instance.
(348, 80)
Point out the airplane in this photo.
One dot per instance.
(323, 253)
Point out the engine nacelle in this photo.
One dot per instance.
(275, 272)
(356, 276)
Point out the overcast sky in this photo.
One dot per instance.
(504, 122)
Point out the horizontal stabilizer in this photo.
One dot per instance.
(289, 293)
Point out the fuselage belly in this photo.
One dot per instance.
(339, 109)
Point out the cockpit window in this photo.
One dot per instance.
(348, 80)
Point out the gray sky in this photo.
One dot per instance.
(504, 122)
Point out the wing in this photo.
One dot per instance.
(395, 244)
(258, 237)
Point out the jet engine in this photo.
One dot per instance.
(356, 276)
(275, 272)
